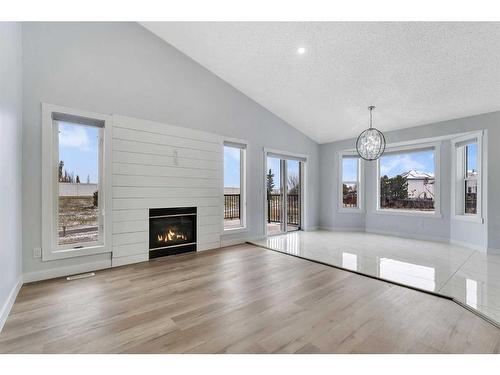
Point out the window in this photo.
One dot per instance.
(407, 181)
(350, 176)
(467, 165)
(73, 184)
(234, 185)
(79, 220)
(470, 178)
(350, 182)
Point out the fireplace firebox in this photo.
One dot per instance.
(171, 231)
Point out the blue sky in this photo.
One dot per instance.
(350, 169)
(395, 164)
(472, 157)
(78, 145)
(231, 167)
(274, 165)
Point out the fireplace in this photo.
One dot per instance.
(171, 231)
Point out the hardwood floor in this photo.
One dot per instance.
(242, 299)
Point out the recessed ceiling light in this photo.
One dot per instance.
(301, 50)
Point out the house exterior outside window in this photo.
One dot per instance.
(408, 180)
(467, 187)
(351, 189)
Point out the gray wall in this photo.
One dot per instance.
(330, 218)
(439, 229)
(122, 68)
(10, 158)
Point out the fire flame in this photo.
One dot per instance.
(171, 235)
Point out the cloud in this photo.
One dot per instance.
(396, 164)
(74, 136)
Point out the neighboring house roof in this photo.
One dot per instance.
(417, 175)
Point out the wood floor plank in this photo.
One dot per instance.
(241, 299)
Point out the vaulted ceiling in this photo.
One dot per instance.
(413, 72)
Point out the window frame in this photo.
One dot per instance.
(242, 145)
(458, 177)
(55, 218)
(360, 183)
(408, 148)
(51, 250)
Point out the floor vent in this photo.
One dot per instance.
(80, 276)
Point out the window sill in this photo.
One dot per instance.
(469, 218)
(433, 215)
(73, 253)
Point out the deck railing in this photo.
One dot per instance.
(232, 207)
(274, 204)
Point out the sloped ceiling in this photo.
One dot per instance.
(414, 73)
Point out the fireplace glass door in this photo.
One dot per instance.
(173, 229)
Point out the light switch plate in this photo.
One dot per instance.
(37, 252)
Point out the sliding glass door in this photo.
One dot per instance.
(284, 195)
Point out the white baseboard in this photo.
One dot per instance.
(232, 241)
(386, 233)
(423, 237)
(208, 246)
(337, 229)
(7, 306)
(416, 237)
(137, 258)
(311, 228)
(66, 271)
(469, 245)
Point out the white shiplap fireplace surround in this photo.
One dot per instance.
(157, 165)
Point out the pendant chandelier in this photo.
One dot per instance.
(371, 142)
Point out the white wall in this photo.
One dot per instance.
(155, 166)
(444, 228)
(10, 164)
(121, 68)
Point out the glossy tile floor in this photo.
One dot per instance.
(469, 276)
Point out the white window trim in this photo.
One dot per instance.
(50, 250)
(480, 136)
(360, 183)
(243, 145)
(437, 172)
